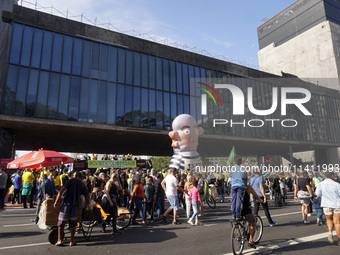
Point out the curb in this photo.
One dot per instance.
(19, 211)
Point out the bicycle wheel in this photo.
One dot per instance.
(53, 235)
(259, 230)
(89, 223)
(211, 203)
(236, 239)
(123, 220)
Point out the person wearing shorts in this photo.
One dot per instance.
(170, 185)
(69, 207)
(329, 191)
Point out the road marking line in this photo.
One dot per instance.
(18, 225)
(261, 249)
(283, 214)
(23, 246)
(208, 225)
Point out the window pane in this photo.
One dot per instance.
(16, 43)
(20, 103)
(104, 61)
(74, 98)
(86, 59)
(111, 104)
(179, 104)
(36, 49)
(32, 93)
(121, 65)
(173, 107)
(159, 73)
(129, 67)
(76, 61)
(159, 112)
(136, 107)
(145, 122)
(152, 74)
(186, 105)
(166, 75)
(42, 95)
(113, 64)
(95, 60)
(102, 102)
(192, 80)
(128, 106)
(144, 70)
(167, 121)
(67, 54)
(120, 105)
(173, 76)
(10, 90)
(84, 100)
(56, 52)
(179, 77)
(93, 106)
(64, 99)
(185, 79)
(53, 94)
(136, 61)
(197, 79)
(152, 108)
(193, 107)
(46, 51)
(26, 46)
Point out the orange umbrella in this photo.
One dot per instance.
(40, 159)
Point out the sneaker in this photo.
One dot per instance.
(176, 222)
(191, 222)
(163, 218)
(274, 223)
(330, 238)
(252, 245)
(196, 223)
(306, 221)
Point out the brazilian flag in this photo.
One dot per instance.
(231, 157)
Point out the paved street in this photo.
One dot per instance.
(19, 235)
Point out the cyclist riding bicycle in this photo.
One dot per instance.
(248, 214)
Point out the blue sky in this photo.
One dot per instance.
(226, 27)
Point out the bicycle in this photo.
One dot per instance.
(240, 233)
(210, 201)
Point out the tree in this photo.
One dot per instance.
(160, 163)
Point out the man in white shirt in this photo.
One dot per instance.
(170, 185)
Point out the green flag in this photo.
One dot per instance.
(231, 157)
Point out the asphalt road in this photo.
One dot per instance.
(18, 235)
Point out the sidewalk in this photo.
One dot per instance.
(17, 209)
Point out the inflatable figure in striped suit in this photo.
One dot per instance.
(184, 142)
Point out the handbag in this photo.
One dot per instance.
(303, 194)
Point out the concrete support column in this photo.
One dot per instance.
(6, 143)
(327, 156)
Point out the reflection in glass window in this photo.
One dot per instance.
(67, 54)
(152, 108)
(167, 121)
(104, 61)
(10, 90)
(56, 52)
(144, 113)
(192, 81)
(86, 59)
(20, 102)
(121, 65)
(74, 98)
(159, 74)
(16, 43)
(179, 77)
(26, 46)
(128, 106)
(144, 70)
(93, 105)
(136, 68)
(185, 79)
(102, 102)
(111, 104)
(76, 60)
(166, 75)
(46, 50)
(129, 67)
(173, 76)
(173, 107)
(193, 107)
(84, 100)
(113, 64)
(41, 110)
(179, 104)
(120, 105)
(152, 73)
(95, 61)
(186, 105)
(136, 107)
(36, 48)
(64, 97)
(159, 110)
(53, 94)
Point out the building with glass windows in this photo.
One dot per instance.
(69, 86)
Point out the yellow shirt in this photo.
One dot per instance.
(28, 177)
(45, 172)
(57, 180)
(128, 181)
(61, 179)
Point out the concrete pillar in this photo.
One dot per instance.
(6, 143)
(327, 156)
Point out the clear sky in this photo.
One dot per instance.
(226, 27)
